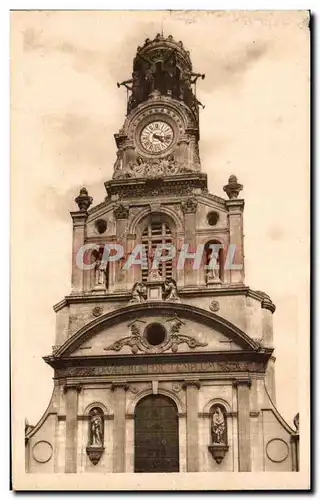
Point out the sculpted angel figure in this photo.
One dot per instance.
(96, 427)
(170, 287)
(218, 426)
(138, 292)
(117, 167)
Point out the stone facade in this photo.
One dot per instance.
(195, 344)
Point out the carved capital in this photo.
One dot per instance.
(72, 387)
(121, 212)
(195, 383)
(238, 382)
(120, 385)
(79, 218)
(189, 206)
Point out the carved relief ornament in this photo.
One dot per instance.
(189, 206)
(137, 342)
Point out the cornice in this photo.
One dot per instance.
(173, 185)
(245, 355)
(221, 202)
(124, 296)
(94, 211)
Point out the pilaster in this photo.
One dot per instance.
(119, 429)
(121, 214)
(189, 209)
(235, 220)
(192, 396)
(78, 239)
(244, 438)
(71, 394)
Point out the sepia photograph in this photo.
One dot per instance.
(160, 192)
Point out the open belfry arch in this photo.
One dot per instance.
(168, 369)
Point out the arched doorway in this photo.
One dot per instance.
(156, 435)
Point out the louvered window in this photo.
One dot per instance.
(156, 233)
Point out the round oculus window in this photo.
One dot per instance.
(101, 226)
(155, 334)
(212, 218)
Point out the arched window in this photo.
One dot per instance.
(213, 275)
(156, 232)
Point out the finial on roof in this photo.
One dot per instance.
(83, 200)
(233, 188)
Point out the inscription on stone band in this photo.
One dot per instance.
(160, 368)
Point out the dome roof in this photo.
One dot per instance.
(161, 43)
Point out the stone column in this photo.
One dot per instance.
(235, 210)
(244, 437)
(78, 237)
(119, 426)
(189, 208)
(121, 214)
(71, 392)
(192, 389)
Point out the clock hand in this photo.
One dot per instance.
(159, 137)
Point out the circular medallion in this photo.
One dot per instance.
(277, 450)
(42, 451)
(156, 137)
(214, 306)
(97, 311)
(176, 387)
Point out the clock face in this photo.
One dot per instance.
(156, 137)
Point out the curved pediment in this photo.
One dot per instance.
(186, 328)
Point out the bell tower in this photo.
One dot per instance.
(161, 133)
(166, 367)
(160, 136)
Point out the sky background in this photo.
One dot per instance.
(65, 108)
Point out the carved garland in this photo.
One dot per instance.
(137, 342)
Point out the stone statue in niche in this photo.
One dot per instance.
(216, 271)
(219, 446)
(96, 428)
(218, 426)
(213, 272)
(100, 272)
(95, 446)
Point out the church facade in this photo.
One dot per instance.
(163, 359)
